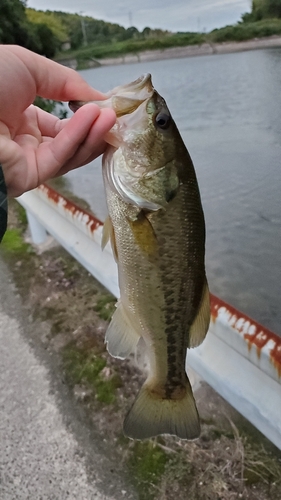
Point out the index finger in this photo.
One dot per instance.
(54, 81)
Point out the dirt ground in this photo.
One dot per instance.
(230, 460)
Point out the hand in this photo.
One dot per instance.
(35, 145)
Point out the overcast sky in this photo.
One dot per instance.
(173, 15)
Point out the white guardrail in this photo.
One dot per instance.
(239, 358)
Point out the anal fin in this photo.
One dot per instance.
(201, 322)
(121, 337)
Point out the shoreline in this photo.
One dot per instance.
(179, 52)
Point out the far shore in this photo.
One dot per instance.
(180, 52)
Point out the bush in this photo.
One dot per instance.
(246, 31)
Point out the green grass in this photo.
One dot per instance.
(106, 389)
(22, 217)
(13, 243)
(86, 367)
(105, 306)
(246, 31)
(147, 463)
(82, 366)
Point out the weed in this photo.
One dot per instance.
(86, 367)
(83, 366)
(22, 217)
(105, 306)
(246, 31)
(13, 242)
(106, 389)
(147, 462)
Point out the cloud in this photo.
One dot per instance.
(179, 15)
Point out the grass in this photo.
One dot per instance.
(220, 468)
(246, 31)
(147, 462)
(86, 367)
(22, 217)
(83, 366)
(14, 244)
(105, 306)
(226, 466)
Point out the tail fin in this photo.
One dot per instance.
(152, 415)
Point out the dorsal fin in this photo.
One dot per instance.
(201, 322)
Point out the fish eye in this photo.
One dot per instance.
(162, 120)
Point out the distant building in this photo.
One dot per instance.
(65, 45)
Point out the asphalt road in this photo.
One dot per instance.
(45, 451)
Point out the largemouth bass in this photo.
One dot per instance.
(157, 231)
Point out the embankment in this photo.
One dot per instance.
(179, 52)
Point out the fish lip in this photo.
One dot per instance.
(137, 92)
(143, 82)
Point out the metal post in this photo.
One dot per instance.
(38, 232)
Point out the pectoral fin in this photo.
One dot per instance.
(109, 235)
(121, 337)
(200, 325)
(144, 234)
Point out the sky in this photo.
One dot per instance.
(172, 15)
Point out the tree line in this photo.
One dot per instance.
(47, 32)
(263, 9)
(15, 28)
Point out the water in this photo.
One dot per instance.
(228, 110)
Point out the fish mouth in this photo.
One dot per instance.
(140, 88)
(124, 99)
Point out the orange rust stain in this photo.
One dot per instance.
(214, 308)
(252, 340)
(68, 205)
(259, 340)
(254, 333)
(275, 356)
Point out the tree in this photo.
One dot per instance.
(16, 29)
(50, 19)
(273, 8)
(262, 9)
(48, 43)
(12, 21)
(146, 32)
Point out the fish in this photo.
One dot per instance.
(157, 232)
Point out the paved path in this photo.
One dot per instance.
(40, 455)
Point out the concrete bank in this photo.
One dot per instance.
(180, 52)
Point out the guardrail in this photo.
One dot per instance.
(239, 358)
